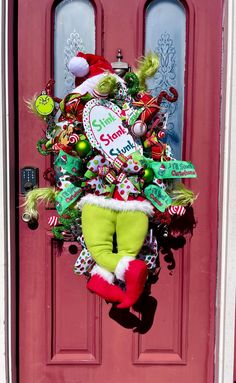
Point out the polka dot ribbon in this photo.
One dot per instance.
(122, 173)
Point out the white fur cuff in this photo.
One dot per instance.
(113, 204)
(122, 266)
(105, 274)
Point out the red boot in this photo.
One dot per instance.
(104, 289)
(135, 277)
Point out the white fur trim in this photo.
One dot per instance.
(78, 66)
(88, 85)
(113, 204)
(105, 274)
(122, 266)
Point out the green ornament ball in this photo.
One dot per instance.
(146, 145)
(82, 147)
(148, 175)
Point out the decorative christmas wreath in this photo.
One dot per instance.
(115, 183)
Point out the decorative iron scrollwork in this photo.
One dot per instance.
(73, 45)
(164, 79)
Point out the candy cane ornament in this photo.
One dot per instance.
(53, 220)
(74, 138)
(178, 210)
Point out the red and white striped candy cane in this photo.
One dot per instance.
(53, 220)
(56, 147)
(179, 210)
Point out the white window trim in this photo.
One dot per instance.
(225, 305)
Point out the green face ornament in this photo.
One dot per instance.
(44, 104)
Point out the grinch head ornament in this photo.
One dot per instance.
(44, 104)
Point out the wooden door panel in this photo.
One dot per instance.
(70, 307)
(166, 341)
(67, 334)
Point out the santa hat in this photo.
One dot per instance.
(86, 65)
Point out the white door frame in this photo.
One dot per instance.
(6, 194)
(225, 305)
(226, 276)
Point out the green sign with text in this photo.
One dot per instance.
(173, 169)
(158, 197)
(66, 197)
(69, 163)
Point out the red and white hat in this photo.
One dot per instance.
(86, 65)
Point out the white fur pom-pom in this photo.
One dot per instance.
(78, 66)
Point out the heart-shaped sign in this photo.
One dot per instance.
(105, 131)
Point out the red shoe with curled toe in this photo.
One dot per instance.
(104, 289)
(135, 278)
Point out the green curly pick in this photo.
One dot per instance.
(40, 145)
(132, 83)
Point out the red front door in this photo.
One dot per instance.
(67, 335)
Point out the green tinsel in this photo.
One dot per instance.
(147, 68)
(65, 221)
(181, 195)
(132, 83)
(57, 232)
(107, 85)
(36, 196)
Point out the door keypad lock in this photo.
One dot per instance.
(29, 179)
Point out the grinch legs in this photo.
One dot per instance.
(131, 231)
(99, 226)
(129, 242)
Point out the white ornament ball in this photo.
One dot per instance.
(139, 129)
(78, 66)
